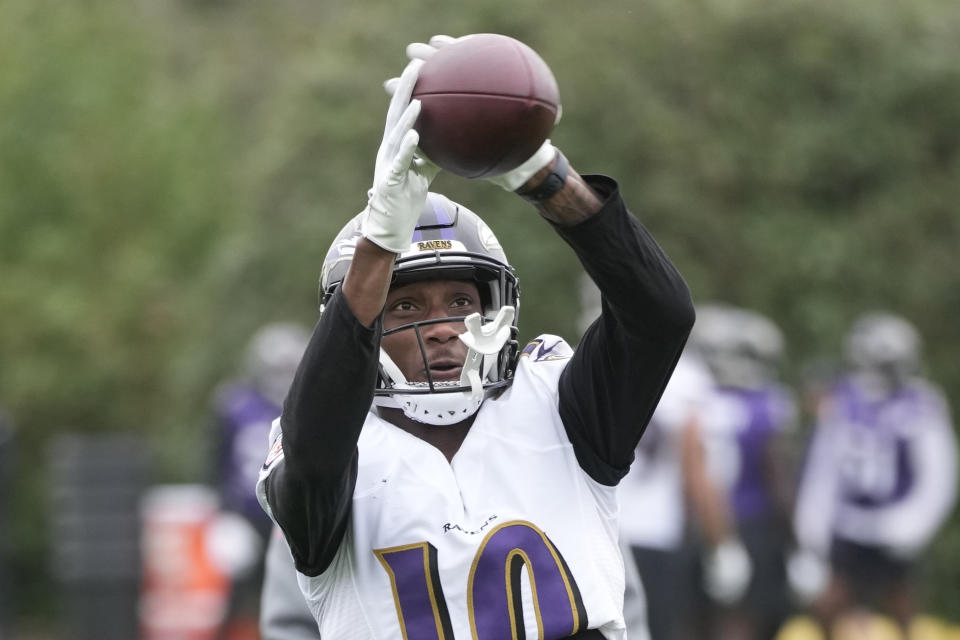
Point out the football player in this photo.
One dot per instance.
(244, 409)
(880, 476)
(434, 479)
(751, 421)
(667, 494)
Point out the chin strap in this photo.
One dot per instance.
(483, 340)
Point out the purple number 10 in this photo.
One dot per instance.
(493, 587)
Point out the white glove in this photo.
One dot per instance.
(423, 51)
(515, 178)
(511, 180)
(807, 574)
(401, 177)
(727, 572)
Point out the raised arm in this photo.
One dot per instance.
(612, 385)
(616, 377)
(308, 483)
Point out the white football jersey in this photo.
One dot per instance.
(511, 533)
(652, 498)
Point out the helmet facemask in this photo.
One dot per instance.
(444, 402)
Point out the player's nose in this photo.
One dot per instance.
(442, 331)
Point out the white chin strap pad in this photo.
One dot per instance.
(483, 340)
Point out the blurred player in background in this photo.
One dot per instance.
(666, 493)
(749, 427)
(429, 472)
(879, 480)
(244, 409)
(636, 608)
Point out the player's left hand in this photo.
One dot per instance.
(516, 178)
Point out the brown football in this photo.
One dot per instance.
(488, 102)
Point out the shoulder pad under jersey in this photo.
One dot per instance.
(545, 348)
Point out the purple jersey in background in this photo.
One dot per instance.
(244, 417)
(881, 470)
(766, 413)
(245, 409)
(874, 441)
(740, 427)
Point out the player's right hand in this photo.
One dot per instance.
(517, 177)
(727, 572)
(402, 177)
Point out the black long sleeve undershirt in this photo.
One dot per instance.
(623, 362)
(311, 490)
(607, 392)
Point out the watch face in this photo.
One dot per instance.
(551, 184)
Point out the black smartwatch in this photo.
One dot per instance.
(551, 184)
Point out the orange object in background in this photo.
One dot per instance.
(184, 594)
